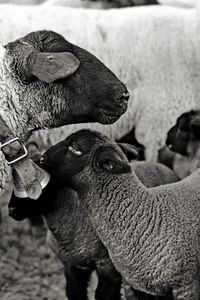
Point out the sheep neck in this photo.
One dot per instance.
(128, 222)
(135, 225)
(22, 106)
(124, 198)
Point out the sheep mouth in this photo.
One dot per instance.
(110, 117)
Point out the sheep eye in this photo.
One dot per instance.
(108, 165)
(75, 151)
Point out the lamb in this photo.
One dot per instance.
(183, 139)
(151, 234)
(78, 247)
(48, 82)
(156, 75)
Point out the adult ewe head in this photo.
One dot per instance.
(71, 159)
(47, 82)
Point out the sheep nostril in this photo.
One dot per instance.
(124, 97)
(41, 160)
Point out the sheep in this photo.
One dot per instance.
(179, 3)
(78, 246)
(165, 156)
(98, 4)
(31, 100)
(163, 77)
(183, 139)
(151, 234)
(130, 139)
(75, 242)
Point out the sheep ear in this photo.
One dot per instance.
(195, 126)
(49, 66)
(130, 151)
(108, 159)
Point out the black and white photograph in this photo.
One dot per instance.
(100, 149)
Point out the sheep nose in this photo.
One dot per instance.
(124, 97)
(41, 160)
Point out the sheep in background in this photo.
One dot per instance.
(184, 139)
(71, 235)
(152, 234)
(98, 4)
(30, 99)
(79, 3)
(153, 49)
(179, 3)
(130, 139)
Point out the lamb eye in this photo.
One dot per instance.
(108, 165)
(75, 151)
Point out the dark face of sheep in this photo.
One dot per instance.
(86, 149)
(184, 137)
(69, 84)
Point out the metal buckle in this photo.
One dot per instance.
(24, 154)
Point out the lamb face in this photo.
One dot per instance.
(45, 96)
(184, 137)
(71, 159)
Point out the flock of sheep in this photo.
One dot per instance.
(135, 223)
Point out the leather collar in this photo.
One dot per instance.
(16, 155)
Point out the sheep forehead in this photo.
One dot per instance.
(87, 140)
(47, 40)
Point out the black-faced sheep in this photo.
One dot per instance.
(36, 90)
(184, 139)
(71, 234)
(72, 237)
(152, 234)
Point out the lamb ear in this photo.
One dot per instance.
(195, 126)
(49, 66)
(108, 159)
(130, 151)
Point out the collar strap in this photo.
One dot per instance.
(11, 157)
(16, 155)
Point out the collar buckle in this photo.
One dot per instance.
(11, 159)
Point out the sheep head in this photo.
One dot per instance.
(54, 83)
(71, 158)
(184, 136)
